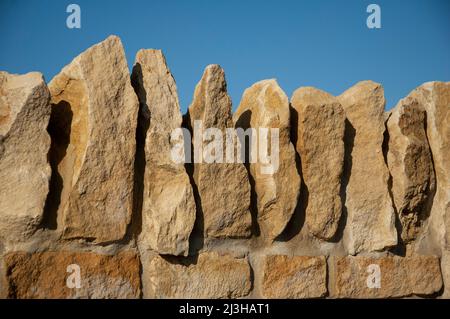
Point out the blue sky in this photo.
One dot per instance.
(321, 43)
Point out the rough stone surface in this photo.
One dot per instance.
(3, 282)
(208, 275)
(294, 277)
(445, 268)
(399, 276)
(86, 182)
(265, 105)
(223, 188)
(93, 129)
(435, 98)
(370, 222)
(24, 146)
(168, 209)
(320, 143)
(411, 166)
(45, 275)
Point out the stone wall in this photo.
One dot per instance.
(93, 206)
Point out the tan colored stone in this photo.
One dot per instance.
(411, 166)
(24, 146)
(265, 105)
(294, 277)
(168, 212)
(208, 275)
(224, 188)
(46, 274)
(320, 143)
(370, 222)
(3, 282)
(93, 129)
(399, 276)
(445, 268)
(435, 98)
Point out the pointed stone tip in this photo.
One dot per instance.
(267, 82)
(109, 46)
(312, 95)
(144, 55)
(30, 79)
(34, 78)
(111, 43)
(434, 83)
(143, 52)
(214, 74)
(272, 85)
(113, 38)
(430, 85)
(267, 93)
(264, 84)
(213, 68)
(367, 84)
(261, 87)
(362, 87)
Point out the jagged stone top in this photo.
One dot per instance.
(15, 89)
(84, 65)
(357, 96)
(386, 172)
(211, 102)
(265, 99)
(156, 88)
(312, 96)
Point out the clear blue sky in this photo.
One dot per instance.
(324, 43)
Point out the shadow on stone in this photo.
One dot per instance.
(143, 123)
(178, 260)
(297, 220)
(59, 129)
(349, 142)
(246, 140)
(197, 237)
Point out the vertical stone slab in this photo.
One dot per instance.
(370, 222)
(435, 98)
(223, 188)
(93, 129)
(265, 106)
(24, 146)
(168, 209)
(320, 144)
(411, 166)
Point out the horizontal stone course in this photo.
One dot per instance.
(294, 277)
(355, 277)
(208, 275)
(52, 275)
